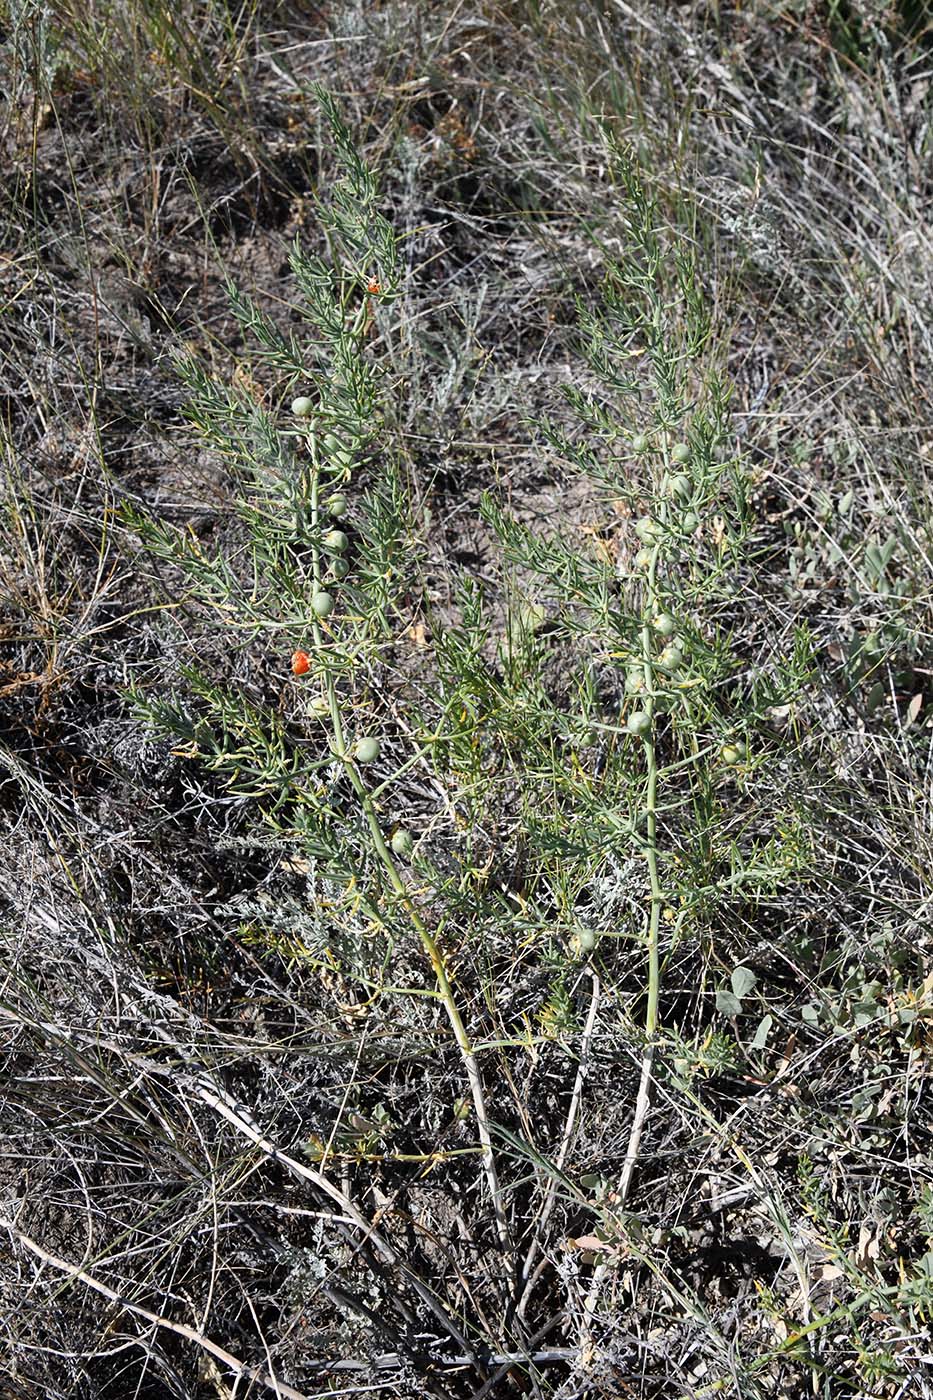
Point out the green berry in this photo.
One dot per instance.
(638, 722)
(635, 680)
(682, 486)
(733, 754)
(302, 407)
(337, 506)
(322, 604)
(643, 558)
(680, 452)
(337, 452)
(336, 542)
(401, 842)
(319, 705)
(639, 443)
(671, 658)
(646, 529)
(690, 521)
(367, 750)
(339, 568)
(665, 625)
(585, 940)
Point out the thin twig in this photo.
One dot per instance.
(643, 1097)
(526, 1280)
(181, 1329)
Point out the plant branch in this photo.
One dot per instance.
(428, 941)
(526, 1280)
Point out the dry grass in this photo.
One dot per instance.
(165, 1063)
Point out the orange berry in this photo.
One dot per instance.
(301, 663)
(374, 287)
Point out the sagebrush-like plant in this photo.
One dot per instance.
(589, 749)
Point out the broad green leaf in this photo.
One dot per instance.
(743, 980)
(727, 1003)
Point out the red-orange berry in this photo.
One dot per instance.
(301, 663)
(373, 287)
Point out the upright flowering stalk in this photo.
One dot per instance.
(668, 713)
(327, 590)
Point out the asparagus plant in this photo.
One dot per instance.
(631, 764)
